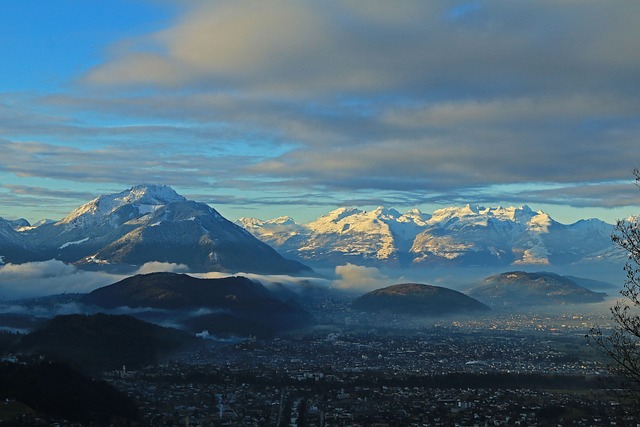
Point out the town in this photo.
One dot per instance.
(501, 370)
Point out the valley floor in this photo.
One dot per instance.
(520, 370)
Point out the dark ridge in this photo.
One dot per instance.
(236, 297)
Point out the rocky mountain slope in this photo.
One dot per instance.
(467, 236)
(143, 224)
(13, 245)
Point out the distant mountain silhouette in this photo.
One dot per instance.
(231, 305)
(518, 288)
(418, 300)
(592, 284)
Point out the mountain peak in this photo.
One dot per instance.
(338, 214)
(475, 212)
(473, 208)
(152, 223)
(283, 220)
(144, 196)
(151, 194)
(384, 211)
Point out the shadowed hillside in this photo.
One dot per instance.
(231, 305)
(518, 288)
(418, 300)
(104, 342)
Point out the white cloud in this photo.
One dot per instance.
(294, 283)
(359, 278)
(291, 48)
(34, 279)
(162, 267)
(278, 46)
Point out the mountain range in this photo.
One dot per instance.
(143, 224)
(153, 223)
(455, 236)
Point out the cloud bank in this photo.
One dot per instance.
(162, 267)
(358, 278)
(35, 279)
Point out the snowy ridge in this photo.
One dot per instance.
(254, 223)
(12, 243)
(77, 242)
(479, 215)
(23, 228)
(145, 198)
(468, 235)
(8, 234)
(150, 223)
(153, 223)
(379, 234)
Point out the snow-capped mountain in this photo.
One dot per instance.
(114, 209)
(98, 223)
(24, 225)
(19, 223)
(344, 235)
(503, 236)
(12, 243)
(469, 235)
(7, 231)
(153, 223)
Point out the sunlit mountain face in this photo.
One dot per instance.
(150, 223)
(467, 236)
(144, 224)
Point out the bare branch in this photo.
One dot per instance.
(622, 344)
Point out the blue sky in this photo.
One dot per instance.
(282, 107)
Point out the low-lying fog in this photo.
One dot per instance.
(39, 279)
(35, 279)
